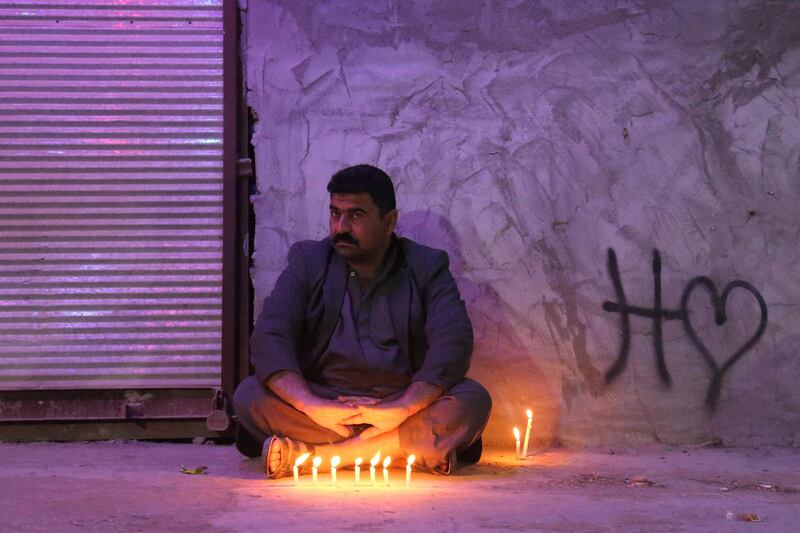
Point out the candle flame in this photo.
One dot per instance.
(302, 459)
(375, 459)
(359, 460)
(335, 460)
(387, 461)
(529, 413)
(411, 459)
(317, 461)
(516, 433)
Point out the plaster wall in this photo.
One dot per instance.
(526, 139)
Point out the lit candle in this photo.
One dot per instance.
(296, 469)
(527, 433)
(516, 438)
(386, 463)
(334, 463)
(409, 462)
(315, 468)
(359, 460)
(372, 464)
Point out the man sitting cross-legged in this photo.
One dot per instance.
(362, 346)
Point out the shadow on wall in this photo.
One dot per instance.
(500, 362)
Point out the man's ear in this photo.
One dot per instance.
(390, 219)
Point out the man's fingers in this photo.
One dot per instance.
(342, 430)
(358, 400)
(357, 418)
(371, 432)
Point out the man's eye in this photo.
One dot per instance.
(356, 216)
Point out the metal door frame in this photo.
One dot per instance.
(168, 413)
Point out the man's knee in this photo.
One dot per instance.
(252, 428)
(453, 422)
(472, 400)
(256, 407)
(246, 395)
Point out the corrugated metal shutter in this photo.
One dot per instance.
(110, 194)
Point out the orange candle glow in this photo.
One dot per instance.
(334, 463)
(527, 433)
(296, 468)
(372, 464)
(386, 462)
(315, 468)
(516, 438)
(409, 462)
(359, 460)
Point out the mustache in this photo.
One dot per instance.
(346, 238)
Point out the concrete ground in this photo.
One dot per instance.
(138, 486)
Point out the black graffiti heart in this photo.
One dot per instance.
(720, 316)
(657, 313)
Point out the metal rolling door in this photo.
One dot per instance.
(110, 194)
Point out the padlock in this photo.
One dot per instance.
(218, 419)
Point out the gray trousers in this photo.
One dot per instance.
(451, 423)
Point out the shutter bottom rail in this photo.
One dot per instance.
(105, 405)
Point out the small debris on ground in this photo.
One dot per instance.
(633, 481)
(715, 442)
(743, 517)
(640, 481)
(729, 485)
(194, 471)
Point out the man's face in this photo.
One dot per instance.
(358, 231)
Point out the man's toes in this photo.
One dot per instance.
(275, 459)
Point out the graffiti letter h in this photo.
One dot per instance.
(657, 313)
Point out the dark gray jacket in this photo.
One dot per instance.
(300, 314)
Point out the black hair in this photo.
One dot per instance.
(365, 178)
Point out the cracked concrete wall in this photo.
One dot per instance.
(528, 138)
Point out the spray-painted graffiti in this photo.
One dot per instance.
(658, 314)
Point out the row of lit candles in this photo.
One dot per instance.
(335, 460)
(524, 453)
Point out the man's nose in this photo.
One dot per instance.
(341, 224)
